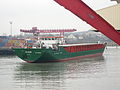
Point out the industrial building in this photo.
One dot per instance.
(111, 14)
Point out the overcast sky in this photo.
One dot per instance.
(44, 14)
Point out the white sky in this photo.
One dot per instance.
(44, 14)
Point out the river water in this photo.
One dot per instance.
(98, 73)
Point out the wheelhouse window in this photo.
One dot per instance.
(49, 38)
(42, 38)
(53, 39)
(45, 38)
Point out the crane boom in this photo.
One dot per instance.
(83, 11)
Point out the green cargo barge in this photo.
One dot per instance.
(63, 53)
(55, 48)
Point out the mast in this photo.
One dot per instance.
(11, 28)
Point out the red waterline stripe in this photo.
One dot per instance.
(29, 61)
(68, 59)
(73, 58)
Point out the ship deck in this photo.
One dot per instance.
(67, 45)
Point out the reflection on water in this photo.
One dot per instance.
(54, 76)
(97, 73)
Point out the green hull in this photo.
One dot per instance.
(50, 55)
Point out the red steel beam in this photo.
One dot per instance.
(80, 9)
(48, 31)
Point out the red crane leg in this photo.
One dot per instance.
(84, 12)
